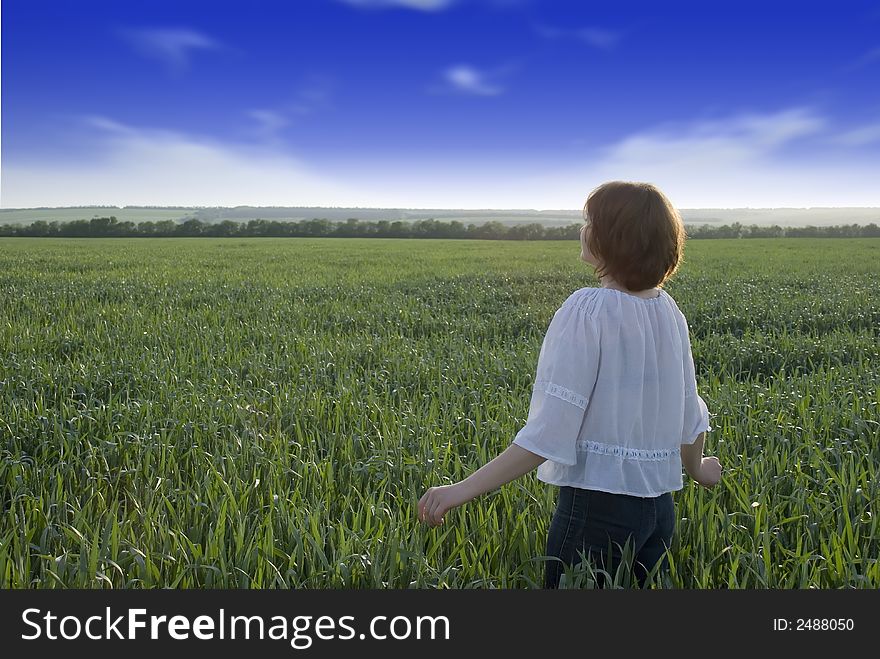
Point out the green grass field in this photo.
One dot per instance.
(266, 413)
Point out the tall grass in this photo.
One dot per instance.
(265, 413)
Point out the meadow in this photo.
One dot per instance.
(265, 413)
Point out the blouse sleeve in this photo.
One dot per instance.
(696, 414)
(567, 370)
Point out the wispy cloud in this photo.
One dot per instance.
(738, 137)
(269, 124)
(171, 46)
(598, 38)
(594, 36)
(859, 136)
(548, 32)
(418, 5)
(314, 96)
(468, 80)
(429, 5)
(734, 161)
(138, 166)
(107, 125)
(869, 57)
(737, 160)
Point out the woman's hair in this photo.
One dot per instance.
(635, 232)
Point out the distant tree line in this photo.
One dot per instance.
(110, 227)
(737, 230)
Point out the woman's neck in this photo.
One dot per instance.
(608, 281)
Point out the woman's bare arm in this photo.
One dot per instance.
(705, 471)
(514, 462)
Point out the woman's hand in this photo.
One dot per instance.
(710, 472)
(511, 464)
(437, 501)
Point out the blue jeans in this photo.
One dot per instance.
(586, 520)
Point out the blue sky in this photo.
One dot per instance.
(438, 103)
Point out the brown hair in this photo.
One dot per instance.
(635, 232)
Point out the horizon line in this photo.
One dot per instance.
(399, 208)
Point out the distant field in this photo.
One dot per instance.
(26, 216)
(786, 217)
(262, 413)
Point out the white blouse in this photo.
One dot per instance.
(615, 395)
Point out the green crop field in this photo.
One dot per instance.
(266, 413)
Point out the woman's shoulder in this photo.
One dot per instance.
(674, 305)
(680, 320)
(612, 305)
(587, 300)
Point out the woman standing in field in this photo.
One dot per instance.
(614, 412)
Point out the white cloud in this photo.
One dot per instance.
(419, 5)
(733, 162)
(871, 56)
(742, 160)
(270, 120)
(596, 37)
(315, 95)
(468, 80)
(859, 136)
(599, 38)
(155, 167)
(171, 46)
(269, 123)
(548, 32)
(108, 125)
(736, 138)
